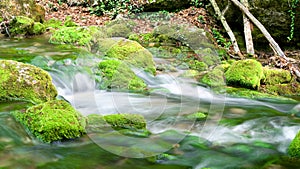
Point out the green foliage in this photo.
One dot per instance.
(73, 35)
(113, 7)
(53, 23)
(52, 121)
(245, 73)
(292, 13)
(220, 39)
(69, 22)
(197, 3)
(294, 148)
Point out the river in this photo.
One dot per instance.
(237, 133)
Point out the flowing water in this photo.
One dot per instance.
(238, 132)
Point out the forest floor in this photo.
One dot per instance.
(81, 15)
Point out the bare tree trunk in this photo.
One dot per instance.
(274, 45)
(293, 68)
(227, 28)
(247, 31)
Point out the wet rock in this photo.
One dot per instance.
(53, 121)
(294, 147)
(114, 74)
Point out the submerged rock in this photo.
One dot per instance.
(245, 73)
(117, 121)
(294, 148)
(20, 81)
(53, 121)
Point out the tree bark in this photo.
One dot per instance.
(227, 28)
(261, 28)
(247, 31)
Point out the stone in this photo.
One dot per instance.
(24, 82)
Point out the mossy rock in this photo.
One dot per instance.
(294, 147)
(245, 73)
(276, 76)
(132, 53)
(116, 74)
(52, 121)
(198, 65)
(73, 35)
(116, 121)
(289, 89)
(38, 28)
(126, 121)
(21, 25)
(25, 82)
(214, 77)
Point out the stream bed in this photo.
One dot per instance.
(237, 133)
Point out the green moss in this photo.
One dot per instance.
(73, 35)
(53, 23)
(198, 65)
(196, 116)
(294, 147)
(116, 121)
(126, 121)
(214, 78)
(290, 89)
(133, 53)
(252, 94)
(20, 25)
(245, 73)
(21, 81)
(37, 29)
(116, 74)
(276, 76)
(52, 121)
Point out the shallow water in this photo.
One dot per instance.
(238, 132)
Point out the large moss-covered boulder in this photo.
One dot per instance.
(53, 121)
(245, 73)
(132, 53)
(25, 82)
(294, 148)
(116, 74)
